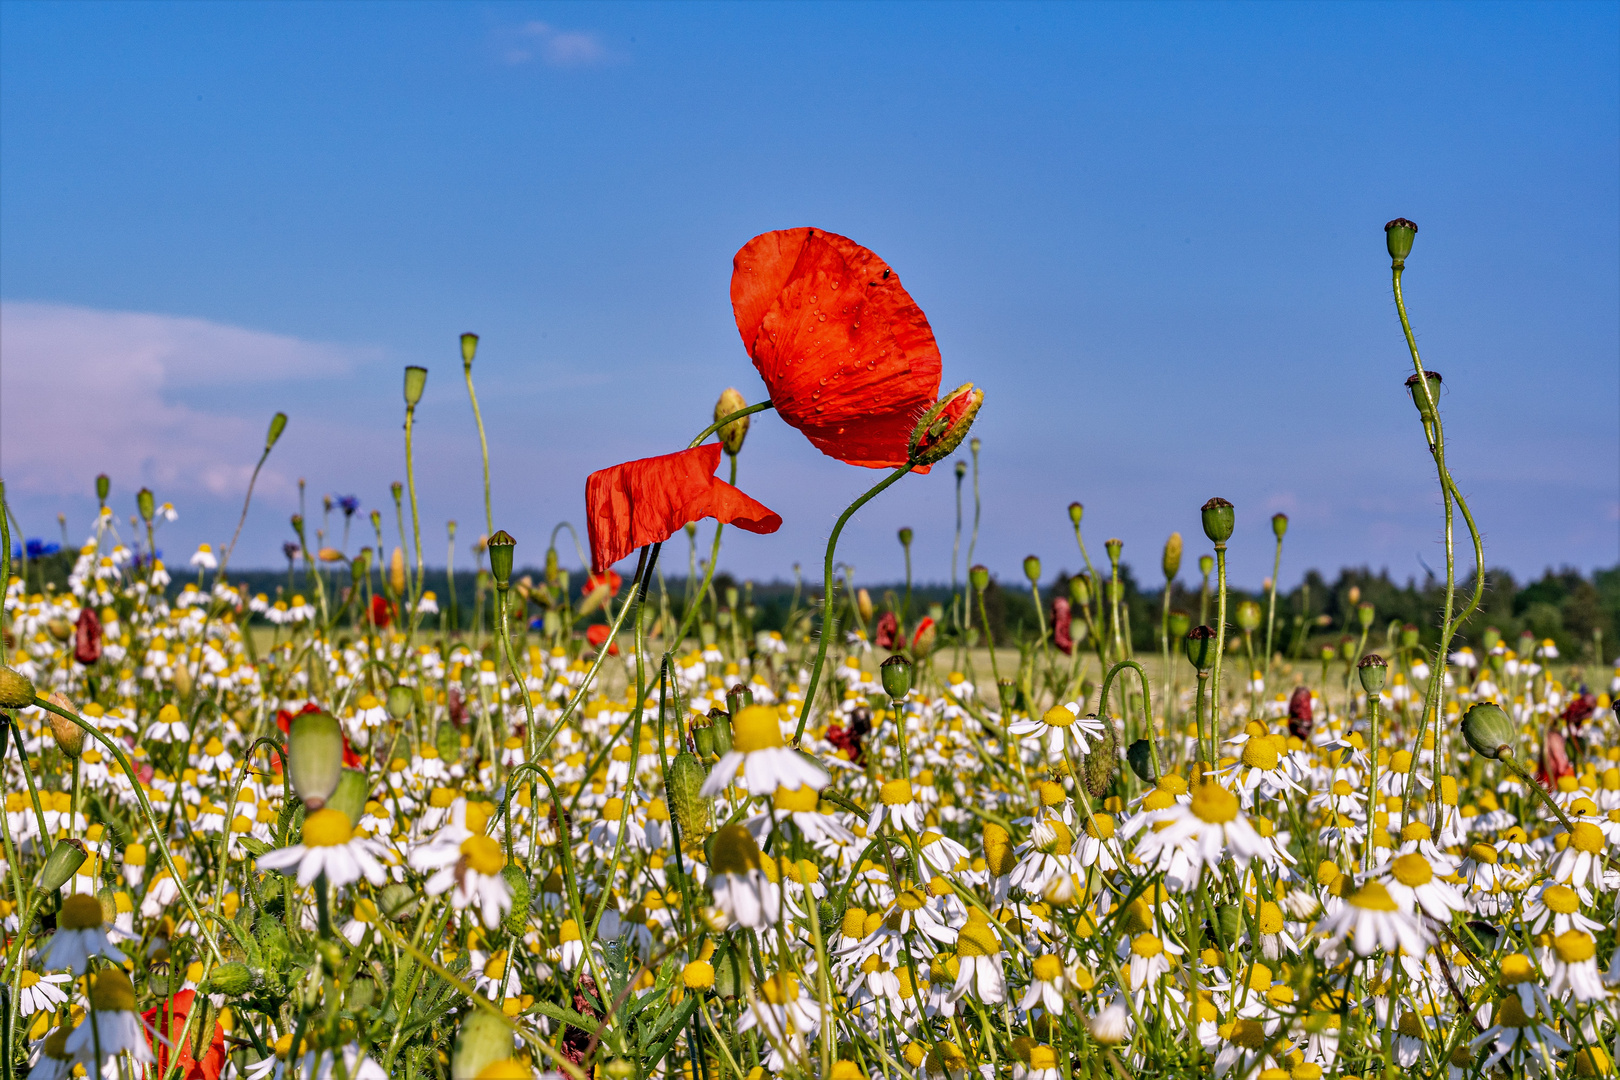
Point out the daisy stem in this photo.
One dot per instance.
(829, 612)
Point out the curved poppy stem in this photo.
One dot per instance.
(829, 616)
(728, 418)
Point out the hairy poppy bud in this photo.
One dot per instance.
(1080, 590)
(69, 736)
(1398, 235)
(1200, 647)
(62, 863)
(1103, 760)
(905, 537)
(1488, 730)
(415, 380)
(1426, 403)
(1032, 568)
(979, 578)
(1180, 623)
(278, 424)
(1171, 563)
(469, 347)
(103, 486)
(484, 1040)
(1371, 671)
(961, 469)
(896, 675)
(1218, 520)
(732, 435)
(315, 753)
(1409, 636)
(16, 690)
(683, 786)
(922, 642)
(943, 427)
(500, 558)
(1248, 616)
(87, 638)
(1140, 757)
(146, 503)
(1076, 511)
(1279, 524)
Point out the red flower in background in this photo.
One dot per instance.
(163, 1031)
(594, 581)
(644, 502)
(597, 633)
(847, 355)
(87, 638)
(887, 631)
(1062, 625)
(1300, 713)
(382, 612)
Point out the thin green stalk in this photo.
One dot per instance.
(829, 611)
(1220, 649)
(1271, 607)
(483, 446)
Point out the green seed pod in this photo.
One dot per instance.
(1490, 639)
(1140, 758)
(1219, 520)
(1488, 730)
(103, 486)
(517, 882)
(278, 424)
(1347, 648)
(501, 547)
(1426, 404)
(232, 979)
(146, 503)
(62, 863)
(1200, 647)
(16, 691)
(483, 1040)
(397, 901)
(896, 676)
(350, 795)
(1279, 524)
(1398, 236)
(731, 972)
(1206, 563)
(1080, 590)
(961, 469)
(1171, 562)
(720, 731)
(683, 785)
(1409, 636)
(1180, 623)
(1365, 614)
(1103, 760)
(1371, 670)
(1076, 512)
(979, 578)
(315, 750)
(1248, 616)
(703, 737)
(448, 743)
(1113, 546)
(738, 698)
(906, 537)
(732, 435)
(401, 701)
(415, 380)
(469, 349)
(1032, 568)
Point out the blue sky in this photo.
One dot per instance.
(1152, 233)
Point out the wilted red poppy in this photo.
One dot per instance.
(1062, 625)
(382, 612)
(87, 638)
(597, 633)
(595, 581)
(887, 631)
(847, 355)
(644, 502)
(165, 1024)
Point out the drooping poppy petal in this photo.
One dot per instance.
(644, 502)
(848, 356)
(597, 633)
(87, 638)
(166, 1023)
(382, 612)
(608, 578)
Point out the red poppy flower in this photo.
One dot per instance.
(597, 633)
(169, 1022)
(382, 612)
(645, 502)
(888, 630)
(594, 581)
(848, 356)
(1062, 625)
(87, 638)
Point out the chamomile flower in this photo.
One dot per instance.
(1556, 909)
(330, 847)
(978, 951)
(1208, 830)
(113, 1027)
(471, 872)
(1046, 985)
(1057, 724)
(204, 558)
(80, 935)
(740, 887)
(1580, 864)
(1571, 966)
(896, 802)
(39, 992)
(1372, 919)
(1410, 881)
(762, 756)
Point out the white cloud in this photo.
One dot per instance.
(553, 46)
(85, 391)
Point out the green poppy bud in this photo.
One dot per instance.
(1219, 520)
(60, 866)
(1140, 758)
(1365, 614)
(517, 883)
(731, 972)
(1180, 623)
(1371, 670)
(896, 675)
(1279, 524)
(1101, 763)
(1426, 404)
(397, 489)
(1347, 648)
(469, 347)
(1200, 647)
(732, 435)
(1171, 563)
(1490, 639)
(1080, 590)
(484, 1039)
(401, 701)
(16, 691)
(278, 424)
(315, 757)
(1206, 563)
(350, 795)
(1398, 236)
(448, 741)
(415, 380)
(1409, 636)
(1076, 511)
(905, 537)
(944, 426)
(1248, 616)
(703, 739)
(1032, 568)
(103, 486)
(961, 470)
(231, 978)
(146, 503)
(501, 546)
(720, 731)
(683, 786)
(1488, 730)
(979, 578)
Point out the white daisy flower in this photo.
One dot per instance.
(80, 935)
(1207, 831)
(1371, 919)
(760, 753)
(204, 558)
(39, 992)
(1056, 724)
(740, 887)
(978, 951)
(112, 1027)
(329, 847)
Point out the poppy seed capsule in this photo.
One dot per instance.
(1080, 590)
(1248, 616)
(62, 863)
(1365, 614)
(1076, 512)
(16, 690)
(732, 434)
(1279, 524)
(469, 348)
(896, 674)
(1398, 236)
(961, 469)
(1113, 546)
(1219, 520)
(1371, 671)
(103, 486)
(1488, 730)
(943, 427)
(1206, 563)
(415, 380)
(1180, 622)
(1200, 647)
(401, 701)
(1426, 404)
(501, 546)
(146, 503)
(1171, 563)
(1032, 568)
(979, 578)
(315, 757)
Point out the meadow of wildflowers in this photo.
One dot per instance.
(618, 829)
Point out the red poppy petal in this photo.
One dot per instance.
(847, 355)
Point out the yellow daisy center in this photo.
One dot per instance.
(895, 792)
(1372, 897)
(1214, 804)
(1586, 837)
(1146, 946)
(327, 827)
(1574, 947)
(1562, 899)
(1260, 754)
(79, 912)
(977, 939)
(1270, 918)
(1413, 870)
(1059, 716)
(802, 800)
(756, 728)
(483, 854)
